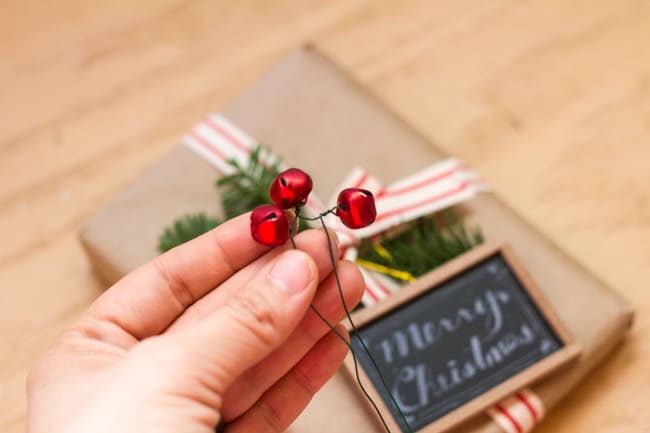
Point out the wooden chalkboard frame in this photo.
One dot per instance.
(569, 351)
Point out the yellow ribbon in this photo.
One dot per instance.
(382, 251)
(395, 273)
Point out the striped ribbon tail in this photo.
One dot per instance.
(518, 413)
(438, 186)
(218, 141)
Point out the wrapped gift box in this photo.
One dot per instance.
(313, 114)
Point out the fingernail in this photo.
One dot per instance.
(338, 246)
(334, 236)
(336, 239)
(291, 272)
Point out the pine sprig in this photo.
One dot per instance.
(248, 186)
(184, 229)
(423, 245)
(242, 191)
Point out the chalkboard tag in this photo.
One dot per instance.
(458, 340)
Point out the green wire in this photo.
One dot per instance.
(356, 331)
(345, 341)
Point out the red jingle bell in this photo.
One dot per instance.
(356, 208)
(269, 225)
(291, 188)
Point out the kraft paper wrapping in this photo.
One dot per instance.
(310, 112)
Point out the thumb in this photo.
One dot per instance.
(256, 320)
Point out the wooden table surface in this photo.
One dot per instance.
(550, 100)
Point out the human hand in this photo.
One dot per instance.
(217, 329)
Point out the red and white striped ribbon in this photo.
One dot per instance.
(441, 185)
(437, 187)
(217, 140)
(518, 413)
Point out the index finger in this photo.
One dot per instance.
(146, 301)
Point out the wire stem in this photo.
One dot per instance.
(332, 327)
(316, 218)
(356, 366)
(356, 331)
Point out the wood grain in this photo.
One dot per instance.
(549, 100)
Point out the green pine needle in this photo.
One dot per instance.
(184, 229)
(427, 243)
(248, 186)
(242, 191)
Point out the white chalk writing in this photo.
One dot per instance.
(420, 336)
(416, 385)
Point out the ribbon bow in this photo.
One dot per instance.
(434, 188)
